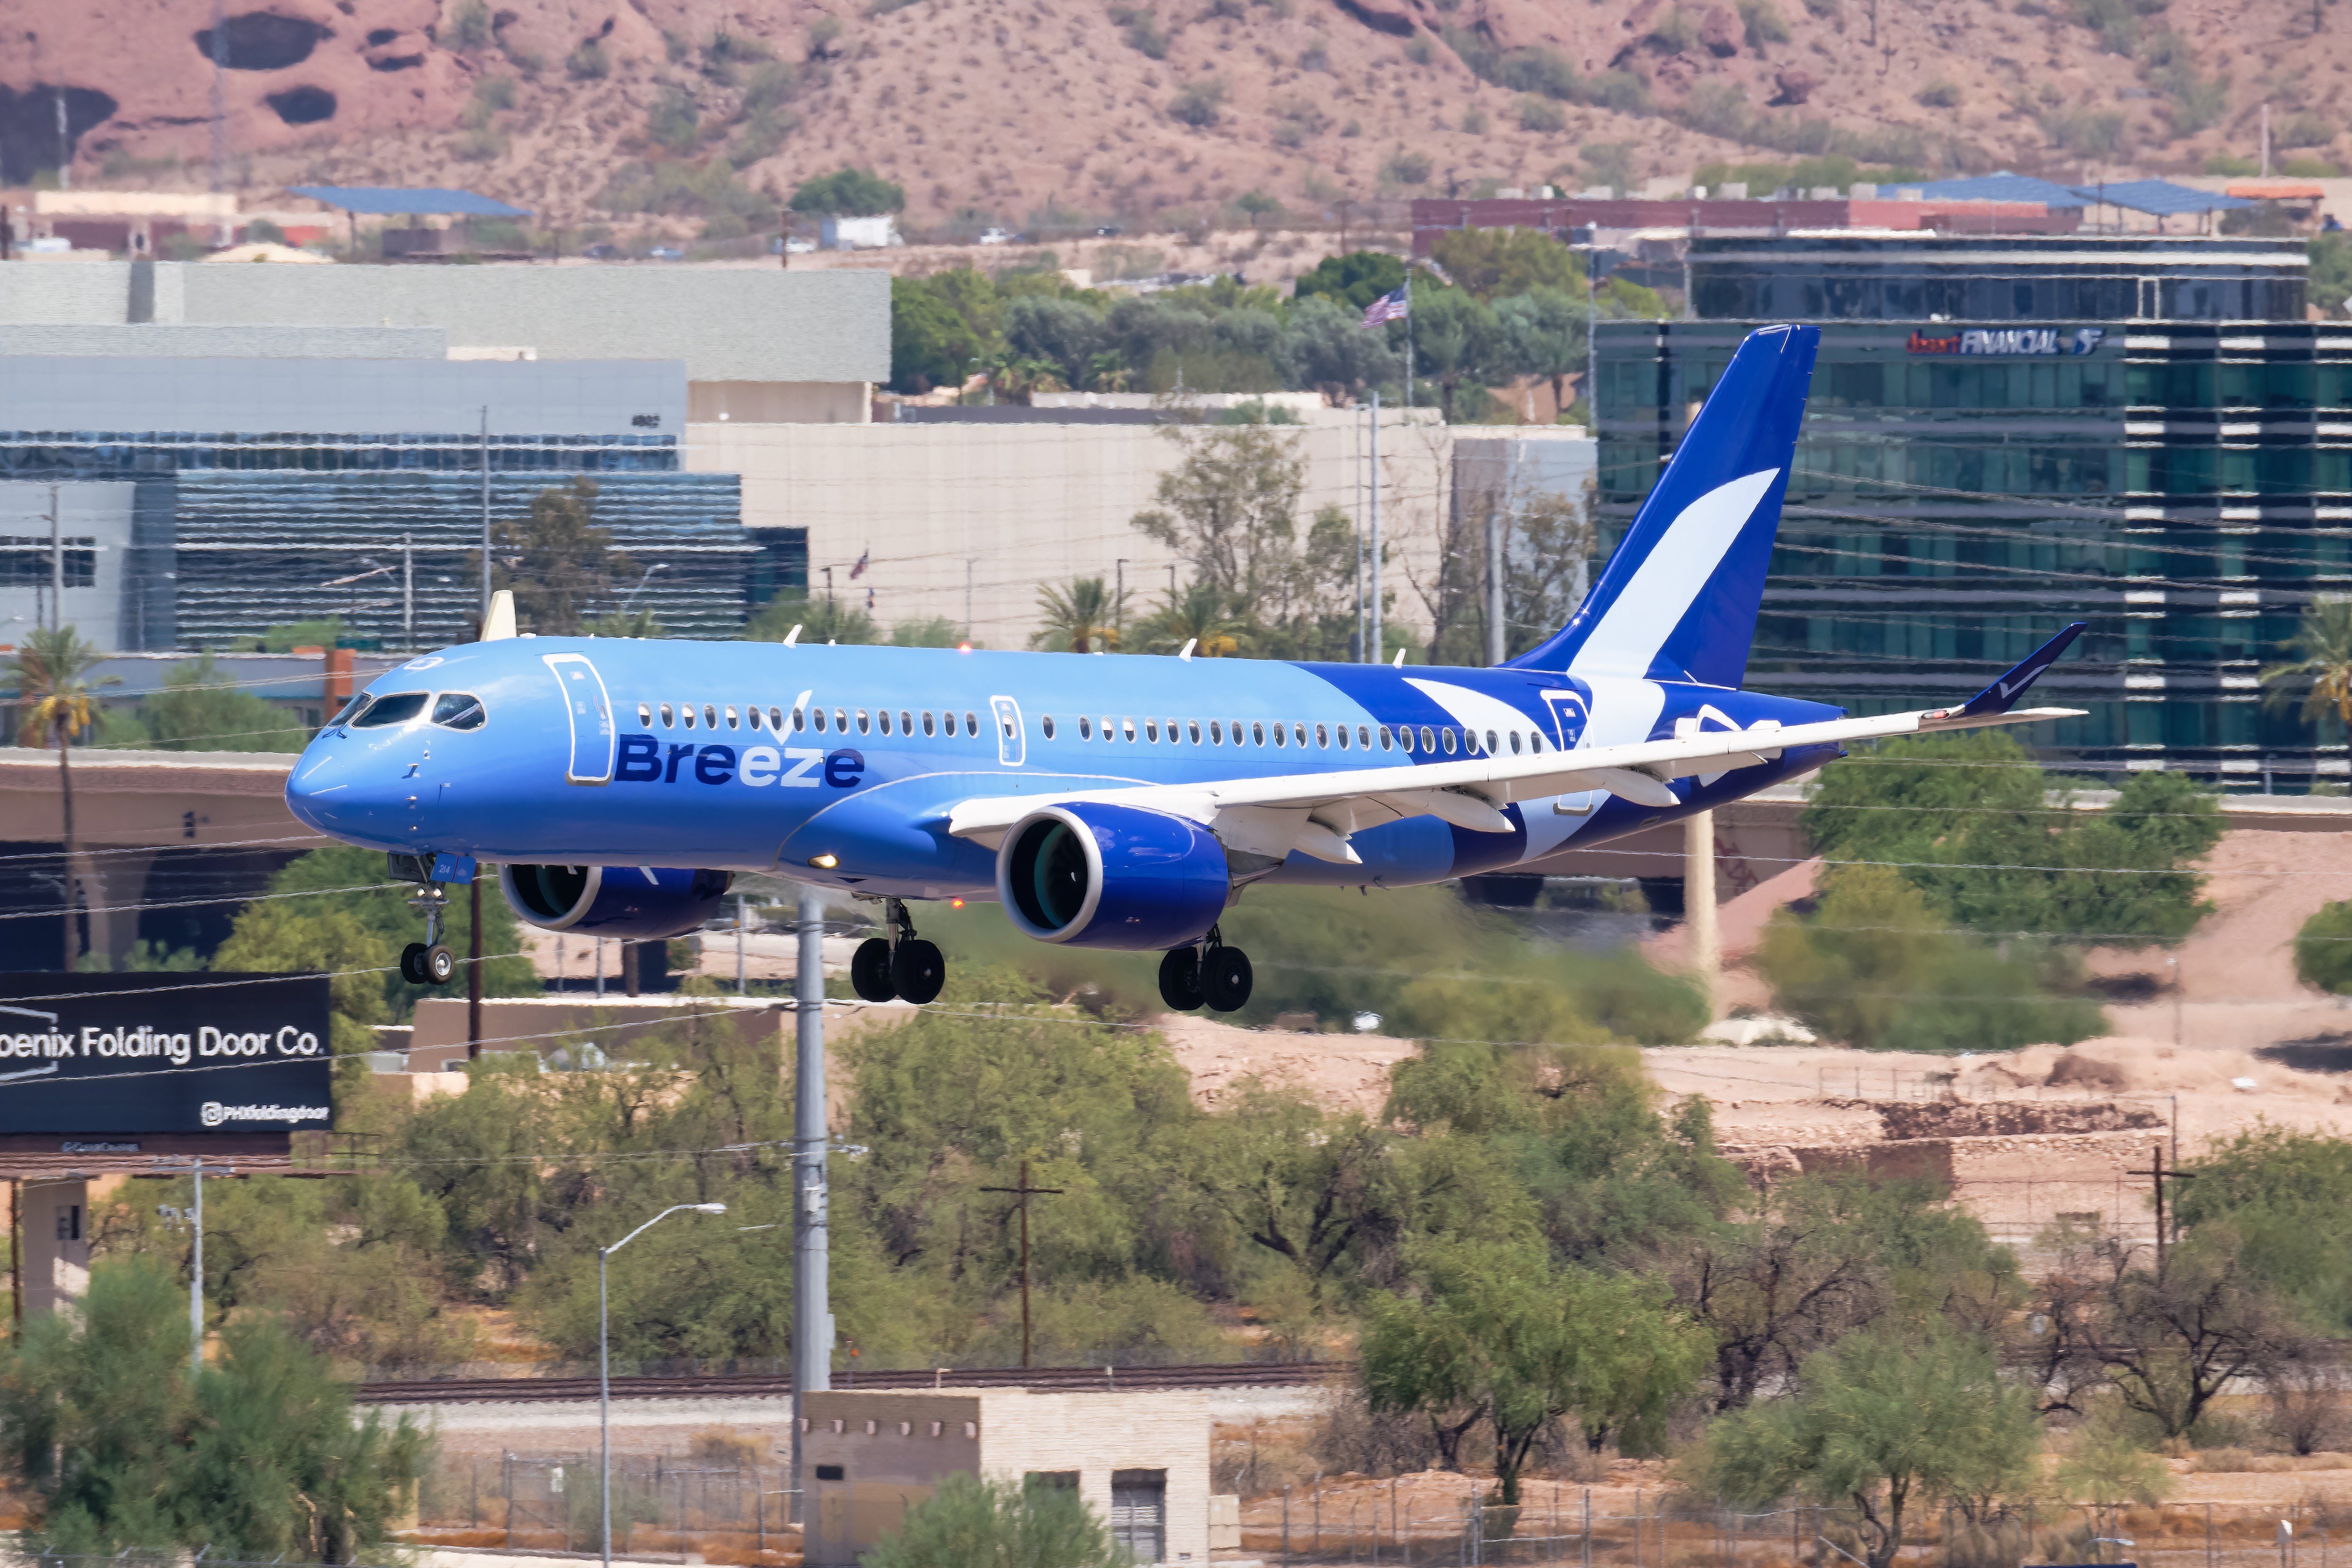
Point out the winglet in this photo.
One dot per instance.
(2002, 694)
(500, 623)
(792, 636)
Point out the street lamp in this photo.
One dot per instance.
(605, 1369)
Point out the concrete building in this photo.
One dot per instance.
(757, 343)
(1140, 1460)
(967, 520)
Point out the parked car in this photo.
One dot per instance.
(994, 236)
(796, 245)
(603, 253)
(1108, 231)
(666, 253)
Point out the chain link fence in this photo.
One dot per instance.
(1368, 1525)
(661, 1506)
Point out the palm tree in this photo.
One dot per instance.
(1081, 617)
(1198, 617)
(2319, 680)
(54, 705)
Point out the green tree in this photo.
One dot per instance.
(1543, 333)
(258, 1456)
(1229, 508)
(200, 709)
(932, 631)
(2317, 681)
(1881, 1424)
(2331, 270)
(1875, 966)
(1976, 825)
(932, 343)
(2287, 1196)
(970, 1522)
(1196, 617)
(1458, 339)
(1491, 263)
(1355, 279)
(849, 193)
(1500, 1331)
(1080, 617)
(57, 700)
(558, 561)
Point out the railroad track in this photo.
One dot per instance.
(758, 1386)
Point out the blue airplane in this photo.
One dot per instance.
(618, 785)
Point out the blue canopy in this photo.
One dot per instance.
(2162, 198)
(2001, 187)
(386, 200)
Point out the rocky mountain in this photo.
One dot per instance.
(705, 111)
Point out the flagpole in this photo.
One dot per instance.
(1408, 334)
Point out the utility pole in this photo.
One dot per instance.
(1372, 644)
(1698, 900)
(811, 1307)
(196, 1277)
(1495, 640)
(220, 107)
(65, 143)
(1025, 1192)
(57, 566)
(2158, 1175)
(473, 964)
(408, 593)
(485, 517)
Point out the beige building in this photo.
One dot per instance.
(969, 520)
(1140, 1460)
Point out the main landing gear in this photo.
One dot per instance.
(428, 962)
(1211, 973)
(902, 964)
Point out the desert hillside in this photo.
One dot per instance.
(1021, 110)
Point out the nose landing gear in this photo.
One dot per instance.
(428, 962)
(901, 965)
(1211, 973)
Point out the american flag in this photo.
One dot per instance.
(860, 570)
(1394, 306)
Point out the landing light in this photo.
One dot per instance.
(963, 647)
(955, 903)
(824, 862)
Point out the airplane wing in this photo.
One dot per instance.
(1315, 813)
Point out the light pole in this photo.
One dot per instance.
(604, 1369)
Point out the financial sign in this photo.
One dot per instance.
(164, 1053)
(2006, 341)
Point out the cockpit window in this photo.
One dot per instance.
(458, 710)
(398, 708)
(350, 710)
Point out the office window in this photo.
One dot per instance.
(1052, 1480)
(27, 562)
(1138, 1512)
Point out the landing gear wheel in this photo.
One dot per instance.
(917, 969)
(1179, 979)
(869, 971)
(1225, 978)
(412, 963)
(438, 964)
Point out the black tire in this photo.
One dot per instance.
(869, 971)
(438, 963)
(1225, 979)
(1179, 979)
(412, 963)
(918, 971)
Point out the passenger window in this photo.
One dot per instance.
(1322, 736)
(865, 722)
(928, 728)
(1126, 728)
(1152, 728)
(458, 710)
(686, 714)
(1342, 731)
(972, 724)
(1429, 739)
(1216, 733)
(1384, 737)
(751, 717)
(884, 716)
(1490, 742)
(1277, 734)
(1515, 742)
(800, 720)
(1046, 724)
(397, 708)
(840, 720)
(668, 718)
(1110, 730)
(1086, 727)
(819, 715)
(644, 717)
(776, 719)
(1192, 730)
(1257, 734)
(1446, 737)
(1364, 738)
(906, 722)
(731, 717)
(1297, 733)
(709, 717)
(1535, 741)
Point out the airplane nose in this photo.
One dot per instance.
(314, 790)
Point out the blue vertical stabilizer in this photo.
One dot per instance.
(1677, 600)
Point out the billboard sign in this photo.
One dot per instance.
(164, 1053)
(2006, 341)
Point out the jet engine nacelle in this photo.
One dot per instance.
(635, 902)
(1112, 875)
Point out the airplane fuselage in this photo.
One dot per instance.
(840, 765)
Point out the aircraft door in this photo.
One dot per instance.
(589, 710)
(1012, 745)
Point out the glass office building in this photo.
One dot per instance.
(2176, 474)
